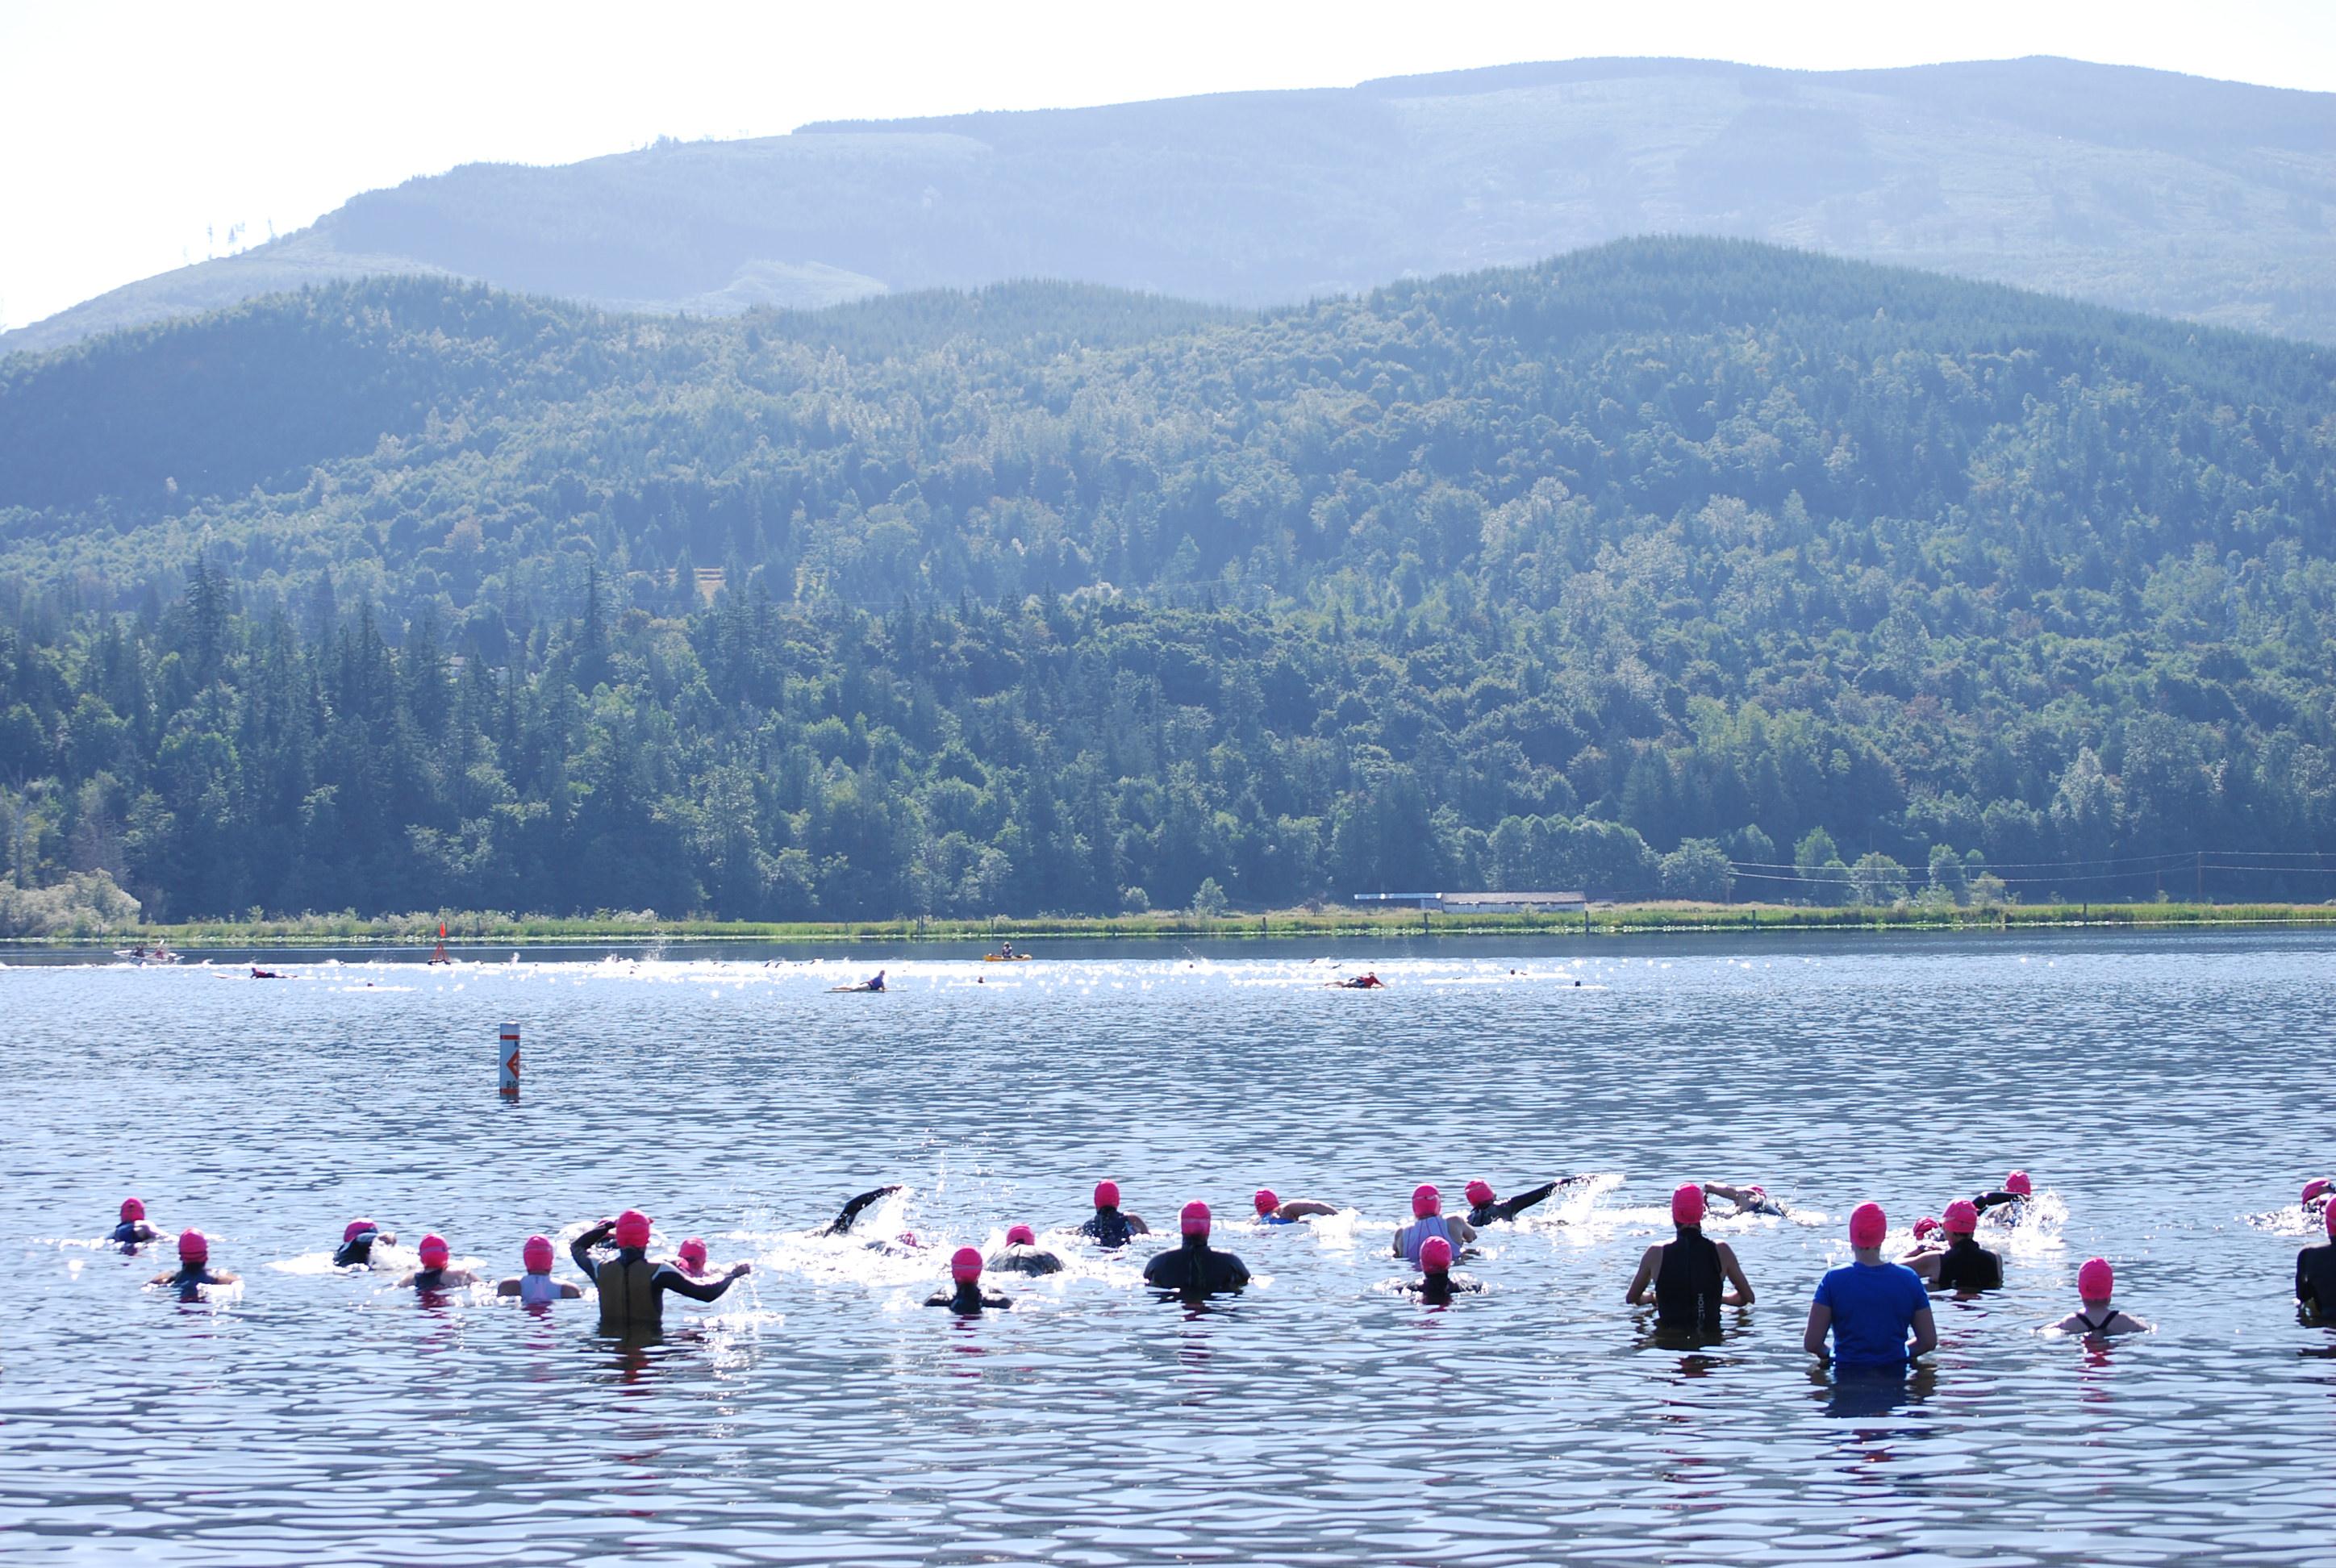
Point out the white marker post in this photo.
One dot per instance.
(507, 1055)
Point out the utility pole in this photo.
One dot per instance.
(2201, 876)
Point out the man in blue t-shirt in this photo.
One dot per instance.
(1870, 1306)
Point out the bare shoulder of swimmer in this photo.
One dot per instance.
(1650, 1263)
(1306, 1208)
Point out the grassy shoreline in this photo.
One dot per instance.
(464, 928)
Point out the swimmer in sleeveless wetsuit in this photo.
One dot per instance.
(1752, 1199)
(358, 1238)
(1486, 1207)
(1023, 1255)
(1427, 1219)
(1437, 1284)
(2315, 1273)
(966, 1295)
(434, 1275)
(194, 1269)
(1195, 1269)
(537, 1288)
(1272, 1209)
(1688, 1275)
(1965, 1265)
(134, 1229)
(632, 1287)
(1111, 1228)
(2096, 1316)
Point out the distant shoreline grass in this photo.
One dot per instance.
(471, 927)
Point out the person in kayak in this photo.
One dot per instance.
(841, 1225)
(134, 1229)
(358, 1238)
(1687, 1276)
(1870, 1306)
(2096, 1316)
(1486, 1207)
(1437, 1284)
(1272, 1209)
(1367, 983)
(194, 1269)
(536, 1287)
(1965, 1265)
(2315, 1273)
(1427, 1219)
(966, 1295)
(1004, 948)
(1110, 1227)
(434, 1275)
(1751, 1199)
(2015, 1195)
(633, 1287)
(1023, 1255)
(1195, 1268)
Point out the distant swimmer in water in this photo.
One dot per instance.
(1109, 1227)
(1486, 1207)
(1753, 1199)
(1195, 1268)
(2096, 1314)
(1427, 1219)
(358, 1238)
(875, 982)
(1437, 1284)
(1870, 1306)
(194, 1269)
(434, 1274)
(259, 974)
(1370, 982)
(1688, 1275)
(1272, 1209)
(841, 1225)
(2315, 1273)
(134, 1229)
(966, 1295)
(537, 1288)
(1023, 1255)
(632, 1286)
(1965, 1265)
(2015, 1195)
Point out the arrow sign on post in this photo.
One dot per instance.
(507, 1054)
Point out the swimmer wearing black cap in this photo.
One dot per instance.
(1437, 1284)
(1023, 1255)
(966, 1295)
(194, 1270)
(1110, 1227)
(133, 1231)
(633, 1288)
(1195, 1268)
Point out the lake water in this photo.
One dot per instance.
(2168, 1093)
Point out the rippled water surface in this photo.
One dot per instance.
(2169, 1094)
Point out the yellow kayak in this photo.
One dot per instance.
(1004, 959)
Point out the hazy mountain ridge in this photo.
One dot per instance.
(2141, 189)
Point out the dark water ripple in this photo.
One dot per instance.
(2168, 1093)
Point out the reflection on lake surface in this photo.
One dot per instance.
(2167, 1092)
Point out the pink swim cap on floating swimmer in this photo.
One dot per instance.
(1106, 1194)
(2018, 1184)
(135, 1209)
(1868, 1225)
(1481, 1191)
(2095, 1281)
(434, 1251)
(1687, 1205)
(2311, 1189)
(1436, 1256)
(965, 1265)
(632, 1229)
(1266, 1200)
(356, 1228)
(194, 1247)
(1194, 1220)
(537, 1254)
(1021, 1236)
(1425, 1200)
(1928, 1226)
(693, 1252)
(1962, 1217)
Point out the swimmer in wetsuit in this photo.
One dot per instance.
(358, 1238)
(537, 1288)
(1023, 1255)
(633, 1287)
(1688, 1275)
(1437, 1284)
(1110, 1228)
(2315, 1273)
(1195, 1269)
(194, 1269)
(1749, 1200)
(1427, 1219)
(2014, 1195)
(1370, 982)
(966, 1295)
(434, 1275)
(2096, 1316)
(1965, 1265)
(1272, 1209)
(2317, 1194)
(134, 1229)
(841, 1225)
(1485, 1207)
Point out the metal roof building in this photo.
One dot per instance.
(1481, 903)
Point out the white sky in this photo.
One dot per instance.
(130, 128)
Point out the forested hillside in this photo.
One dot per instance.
(1669, 567)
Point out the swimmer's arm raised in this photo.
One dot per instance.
(841, 1225)
(580, 1249)
(674, 1279)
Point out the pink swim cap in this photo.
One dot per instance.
(1267, 1200)
(1928, 1226)
(2095, 1281)
(1194, 1220)
(2328, 1218)
(2018, 1184)
(1021, 1236)
(1962, 1217)
(632, 1229)
(965, 1265)
(1687, 1205)
(135, 1209)
(2311, 1189)
(194, 1247)
(356, 1228)
(1868, 1225)
(1425, 1200)
(1436, 1256)
(693, 1252)
(1481, 1191)
(434, 1251)
(1106, 1194)
(536, 1253)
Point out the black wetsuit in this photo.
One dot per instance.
(1109, 1228)
(357, 1252)
(843, 1222)
(2315, 1279)
(2100, 1328)
(1196, 1269)
(428, 1279)
(1987, 1201)
(131, 1232)
(1018, 1259)
(969, 1299)
(1437, 1290)
(1966, 1265)
(1483, 1215)
(190, 1278)
(1689, 1282)
(632, 1288)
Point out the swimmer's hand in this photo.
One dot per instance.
(737, 1270)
